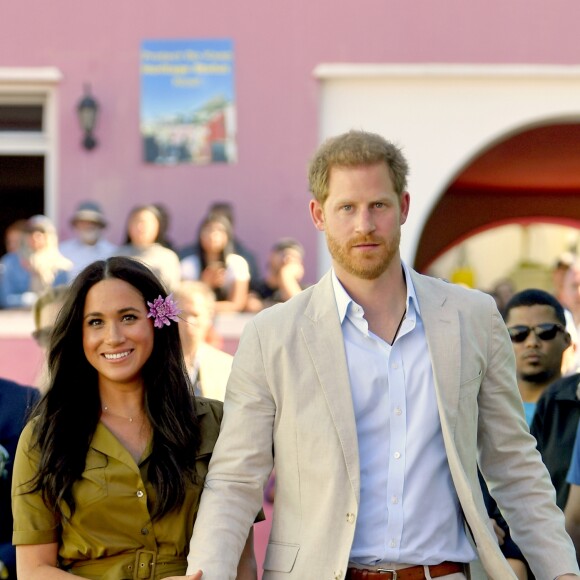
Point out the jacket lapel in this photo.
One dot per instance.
(323, 336)
(441, 323)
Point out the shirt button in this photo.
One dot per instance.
(395, 365)
(397, 455)
(350, 518)
(140, 493)
(394, 499)
(393, 543)
(144, 531)
(398, 411)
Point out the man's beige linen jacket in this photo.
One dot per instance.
(289, 399)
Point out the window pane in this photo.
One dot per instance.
(20, 117)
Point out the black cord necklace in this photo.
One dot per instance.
(399, 326)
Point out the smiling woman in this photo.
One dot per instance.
(108, 474)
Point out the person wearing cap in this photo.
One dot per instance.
(88, 243)
(38, 265)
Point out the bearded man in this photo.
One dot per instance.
(375, 394)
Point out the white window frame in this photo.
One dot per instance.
(34, 86)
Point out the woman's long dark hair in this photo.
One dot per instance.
(69, 411)
(228, 249)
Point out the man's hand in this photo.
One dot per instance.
(196, 576)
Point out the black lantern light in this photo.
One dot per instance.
(87, 110)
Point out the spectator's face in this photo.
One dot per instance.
(13, 240)
(88, 232)
(195, 321)
(214, 237)
(537, 360)
(143, 228)
(283, 257)
(37, 240)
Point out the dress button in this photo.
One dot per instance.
(140, 493)
(144, 531)
(350, 518)
(397, 455)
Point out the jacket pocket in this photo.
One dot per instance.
(471, 386)
(280, 557)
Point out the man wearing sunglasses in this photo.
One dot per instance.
(536, 325)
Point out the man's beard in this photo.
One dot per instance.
(538, 378)
(367, 267)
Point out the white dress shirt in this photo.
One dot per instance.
(409, 511)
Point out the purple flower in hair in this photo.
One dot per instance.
(163, 310)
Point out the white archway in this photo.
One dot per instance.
(442, 116)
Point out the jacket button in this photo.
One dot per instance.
(350, 518)
(338, 575)
(140, 493)
(144, 531)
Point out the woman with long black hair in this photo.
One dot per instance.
(109, 473)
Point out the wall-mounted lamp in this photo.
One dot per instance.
(87, 110)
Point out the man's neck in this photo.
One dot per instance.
(382, 299)
(531, 392)
(384, 292)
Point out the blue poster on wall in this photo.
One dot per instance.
(188, 110)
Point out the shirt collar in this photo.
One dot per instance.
(343, 300)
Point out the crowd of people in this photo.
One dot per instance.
(35, 260)
(414, 426)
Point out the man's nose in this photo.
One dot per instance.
(532, 338)
(365, 222)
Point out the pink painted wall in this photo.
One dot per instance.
(277, 46)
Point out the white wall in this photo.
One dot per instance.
(442, 116)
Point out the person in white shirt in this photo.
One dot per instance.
(208, 367)
(376, 394)
(88, 244)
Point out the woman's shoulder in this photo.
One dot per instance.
(26, 441)
(11, 260)
(236, 259)
(209, 413)
(209, 409)
(238, 265)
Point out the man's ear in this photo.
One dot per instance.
(317, 214)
